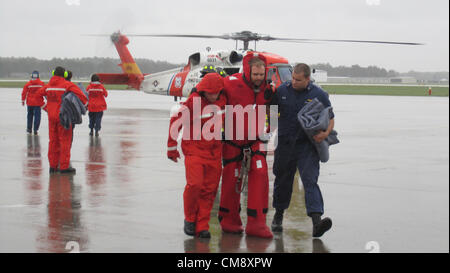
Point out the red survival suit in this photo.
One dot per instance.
(240, 91)
(202, 156)
(30, 93)
(97, 94)
(60, 138)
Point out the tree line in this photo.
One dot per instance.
(11, 67)
(374, 71)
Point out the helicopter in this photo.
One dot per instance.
(178, 82)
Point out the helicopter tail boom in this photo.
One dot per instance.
(132, 75)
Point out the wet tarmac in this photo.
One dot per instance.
(385, 187)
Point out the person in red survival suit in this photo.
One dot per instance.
(60, 138)
(246, 89)
(97, 104)
(34, 102)
(202, 118)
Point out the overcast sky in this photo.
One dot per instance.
(53, 28)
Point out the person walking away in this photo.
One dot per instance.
(60, 139)
(33, 101)
(97, 104)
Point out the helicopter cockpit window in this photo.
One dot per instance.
(231, 71)
(285, 73)
(272, 75)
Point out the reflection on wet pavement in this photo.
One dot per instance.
(295, 238)
(127, 196)
(32, 170)
(63, 216)
(95, 168)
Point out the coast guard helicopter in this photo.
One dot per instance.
(178, 82)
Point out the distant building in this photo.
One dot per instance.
(358, 80)
(403, 80)
(319, 76)
(372, 80)
(443, 81)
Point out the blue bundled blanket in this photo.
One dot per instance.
(71, 110)
(313, 118)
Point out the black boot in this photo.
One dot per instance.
(320, 226)
(204, 234)
(91, 133)
(53, 170)
(69, 170)
(96, 133)
(189, 228)
(277, 223)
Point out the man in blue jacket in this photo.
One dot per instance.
(295, 151)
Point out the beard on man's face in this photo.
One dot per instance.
(257, 83)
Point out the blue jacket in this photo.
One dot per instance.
(290, 102)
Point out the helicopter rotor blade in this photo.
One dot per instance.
(248, 36)
(226, 37)
(96, 35)
(269, 38)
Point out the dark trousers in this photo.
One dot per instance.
(291, 155)
(33, 112)
(95, 120)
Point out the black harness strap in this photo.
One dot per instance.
(240, 157)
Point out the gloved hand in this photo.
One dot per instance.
(270, 90)
(23, 103)
(173, 155)
(268, 94)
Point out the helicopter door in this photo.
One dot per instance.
(177, 83)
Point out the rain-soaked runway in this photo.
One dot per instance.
(385, 187)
